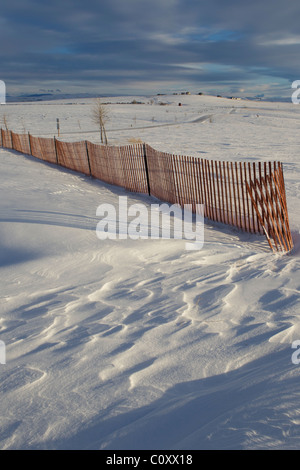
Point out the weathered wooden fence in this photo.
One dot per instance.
(43, 148)
(20, 142)
(122, 166)
(73, 156)
(248, 195)
(6, 138)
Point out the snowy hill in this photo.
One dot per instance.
(141, 344)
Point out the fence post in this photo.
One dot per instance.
(29, 143)
(88, 157)
(56, 151)
(146, 169)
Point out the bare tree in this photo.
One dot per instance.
(100, 117)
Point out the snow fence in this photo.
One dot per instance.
(247, 195)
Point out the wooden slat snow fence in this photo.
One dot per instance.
(247, 195)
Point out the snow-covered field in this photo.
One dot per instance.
(124, 344)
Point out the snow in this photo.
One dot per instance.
(142, 344)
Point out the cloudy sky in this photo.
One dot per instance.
(229, 47)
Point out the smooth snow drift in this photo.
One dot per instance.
(142, 344)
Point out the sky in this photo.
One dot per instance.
(139, 47)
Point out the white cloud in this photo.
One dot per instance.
(167, 39)
(283, 41)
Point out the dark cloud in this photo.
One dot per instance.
(111, 44)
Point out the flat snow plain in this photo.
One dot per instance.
(142, 344)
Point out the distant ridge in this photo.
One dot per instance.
(49, 96)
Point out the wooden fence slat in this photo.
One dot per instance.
(222, 193)
(208, 192)
(220, 214)
(193, 186)
(176, 180)
(203, 179)
(225, 192)
(244, 223)
(238, 195)
(229, 194)
(214, 203)
(234, 195)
